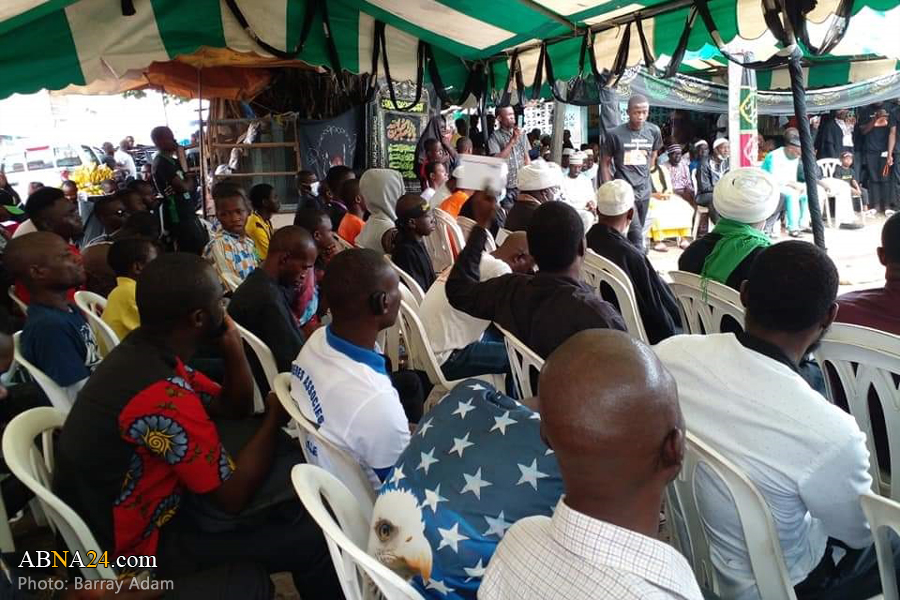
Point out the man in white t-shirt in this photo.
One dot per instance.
(462, 343)
(744, 396)
(339, 379)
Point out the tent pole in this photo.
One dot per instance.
(200, 141)
(807, 154)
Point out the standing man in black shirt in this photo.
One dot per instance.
(631, 148)
(178, 204)
(879, 126)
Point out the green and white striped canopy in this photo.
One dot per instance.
(56, 43)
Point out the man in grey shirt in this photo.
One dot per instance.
(631, 148)
(508, 142)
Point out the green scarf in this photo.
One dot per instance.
(737, 242)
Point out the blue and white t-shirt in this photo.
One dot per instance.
(61, 344)
(475, 466)
(346, 390)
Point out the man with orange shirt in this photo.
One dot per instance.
(353, 222)
(454, 202)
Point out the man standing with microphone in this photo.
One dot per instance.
(507, 142)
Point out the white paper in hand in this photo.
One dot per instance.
(482, 173)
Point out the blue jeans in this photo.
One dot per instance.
(485, 357)
(795, 206)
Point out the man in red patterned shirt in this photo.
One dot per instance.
(140, 441)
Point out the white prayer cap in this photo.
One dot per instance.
(700, 143)
(615, 198)
(568, 151)
(587, 152)
(539, 175)
(719, 142)
(747, 195)
(576, 159)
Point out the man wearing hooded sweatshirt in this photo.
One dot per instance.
(381, 188)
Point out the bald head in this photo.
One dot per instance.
(610, 411)
(292, 255)
(291, 239)
(514, 252)
(43, 260)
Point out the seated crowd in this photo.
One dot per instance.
(478, 491)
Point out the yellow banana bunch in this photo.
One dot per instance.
(89, 176)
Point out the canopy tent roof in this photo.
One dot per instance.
(56, 43)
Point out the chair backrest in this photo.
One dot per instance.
(57, 395)
(92, 306)
(502, 234)
(439, 246)
(866, 361)
(34, 468)
(418, 348)
(828, 165)
(523, 361)
(266, 361)
(883, 514)
(11, 292)
(450, 229)
(411, 284)
(703, 313)
(466, 224)
(346, 527)
(597, 270)
(688, 528)
(346, 468)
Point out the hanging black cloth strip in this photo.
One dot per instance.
(649, 61)
(586, 89)
(333, 55)
(681, 48)
(538, 81)
(515, 70)
(621, 61)
(551, 79)
(380, 47)
(778, 59)
(474, 81)
(835, 32)
(128, 8)
(242, 21)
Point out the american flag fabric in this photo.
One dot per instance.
(475, 466)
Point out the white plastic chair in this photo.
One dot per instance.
(866, 359)
(466, 224)
(502, 234)
(596, 270)
(346, 526)
(266, 360)
(883, 515)
(523, 361)
(92, 306)
(57, 395)
(35, 469)
(701, 315)
(688, 527)
(411, 284)
(450, 229)
(418, 348)
(347, 469)
(828, 165)
(11, 292)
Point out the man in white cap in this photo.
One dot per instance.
(655, 301)
(566, 156)
(538, 183)
(744, 198)
(709, 171)
(784, 164)
(590, 167)
(576, 186)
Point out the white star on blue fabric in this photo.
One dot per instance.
(463, 408)
(474, 483)
(460, 445)
(433, 498)
(434, 584)
(397, 475)
(427, 461)
(548, 452)
(502, 422)
(476, 571)
(424, 427)
(477, 387)
(497, 526)
(536, 416)
(450, 538)
(530, 474)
